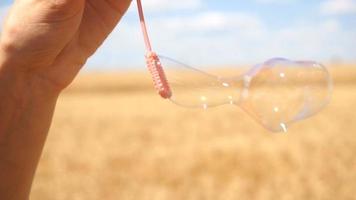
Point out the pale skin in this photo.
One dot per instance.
(43, 46)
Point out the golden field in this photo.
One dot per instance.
(113, 138)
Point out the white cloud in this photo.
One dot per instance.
(197, 37)
(276, 1)
(214, 38)
(244, 38)
(168, 5)
(209, 21)
(307, 41)
(338, 7)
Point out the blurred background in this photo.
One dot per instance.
(113, 137)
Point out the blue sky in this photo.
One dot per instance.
(226, 32)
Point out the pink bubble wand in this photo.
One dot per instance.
(154, 65)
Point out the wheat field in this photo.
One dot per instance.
(113, 138)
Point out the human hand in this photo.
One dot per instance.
(48, 41)
(43, 45)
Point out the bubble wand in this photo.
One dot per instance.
(154, 65)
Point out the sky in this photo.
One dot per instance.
(231, 32)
